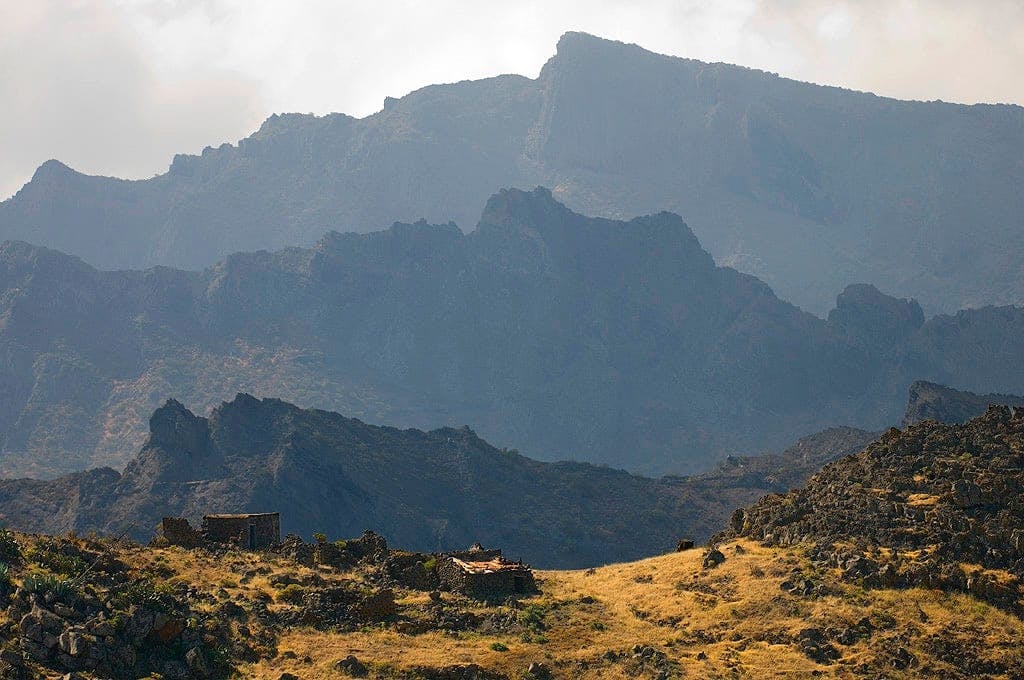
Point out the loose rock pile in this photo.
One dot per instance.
(76, 630)
(933, 505)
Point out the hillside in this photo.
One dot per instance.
(563, 336)
(425, 490)
(929, 401)
(933, 505)
(807, 187)
(198, 614)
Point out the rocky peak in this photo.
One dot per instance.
(52, 169)
(867, 316)
(519, 211)
(177, 450)
(576, 48)
(174, 426)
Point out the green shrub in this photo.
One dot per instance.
(499, 647)
(291, 594)
(431, 564)
(5, 579)
(47, 553)
(10, 551)
(532, 616)
(143, 593)
(320, 537)
(46, 583)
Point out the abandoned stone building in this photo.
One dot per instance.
(484, 574)
(250, 531)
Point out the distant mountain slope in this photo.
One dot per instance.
(427, 490)
(807, 187)
(934, 505)
(564, 336)
(929, 401)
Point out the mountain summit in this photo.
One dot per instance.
(807, 187)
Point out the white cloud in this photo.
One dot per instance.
(118, 86)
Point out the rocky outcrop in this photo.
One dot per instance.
(125, 634)
(929, 401)
(867, 317)
(934, 505)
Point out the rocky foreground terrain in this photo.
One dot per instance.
(901, 561)
(97, 608)
(934, 505)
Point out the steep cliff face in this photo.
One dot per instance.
(807, 187)
(548, 331)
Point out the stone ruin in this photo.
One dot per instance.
(484, 574)
(249, 531)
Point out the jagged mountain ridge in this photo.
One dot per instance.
(929, 401)
(427, 490)
(808, 187)
(564, 336)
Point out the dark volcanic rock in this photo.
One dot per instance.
(946, 500)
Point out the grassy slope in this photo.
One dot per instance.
(735, 615)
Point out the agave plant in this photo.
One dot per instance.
(45, 583)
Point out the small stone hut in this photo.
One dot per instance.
(255, 531)
(246, 531)
(484, 574)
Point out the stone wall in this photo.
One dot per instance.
(249, 532)
(494, 585)
(177, 531)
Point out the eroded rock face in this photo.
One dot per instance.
(936, 496)
(869, 317)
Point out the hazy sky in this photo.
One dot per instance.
(117, 87)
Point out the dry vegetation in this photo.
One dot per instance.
(663, 617)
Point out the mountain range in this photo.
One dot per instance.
(806, 187)
(434, 490)
(564, 336)
(429, 491)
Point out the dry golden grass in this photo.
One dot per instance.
(735, 615)
(732, 621)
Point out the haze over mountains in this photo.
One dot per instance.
(808, 187)
(435, 490)
(429, 490)
(563, 336)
